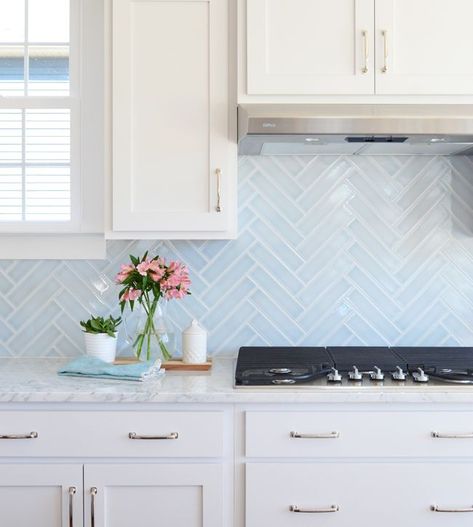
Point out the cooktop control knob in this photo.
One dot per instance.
(398, 375)
(420, 376)
(280, 371)
(334, 376)
(377, 374)
(355, 375)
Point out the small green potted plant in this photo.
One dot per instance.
(101, 337)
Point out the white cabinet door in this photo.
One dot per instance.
(367, 494)
(174, 165)
(310, 46)
(424, 47)
(40, 495)
(150, 495)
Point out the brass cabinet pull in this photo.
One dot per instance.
(31, 435)
(434, 508)
(172, 435)
(365, 50)
(93, 493)
(329, 435)
(218, 173)
(438, 435)
(322, 510)
(384, 69)
(71, 492)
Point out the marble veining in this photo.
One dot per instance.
(36, 381)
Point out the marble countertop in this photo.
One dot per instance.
(36, 380)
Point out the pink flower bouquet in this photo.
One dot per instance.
(146, 281)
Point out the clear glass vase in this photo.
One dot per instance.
(149, 331)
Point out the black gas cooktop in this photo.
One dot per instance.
(279, 366)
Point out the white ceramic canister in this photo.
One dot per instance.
(194, 344)
(101, 346)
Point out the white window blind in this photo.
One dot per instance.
(38, 107)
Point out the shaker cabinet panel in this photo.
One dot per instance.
(40, 495)
(347, 494)
(359, 434)
(310, 46)
(150, 495)
(81, 433)
(173, 162)
(424, 47)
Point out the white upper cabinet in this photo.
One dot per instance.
(365, 48)
(310, 46)
(174, 162)
(424, 47)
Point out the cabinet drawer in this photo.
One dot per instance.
(107, 434)
(391, 494)
(359, 434)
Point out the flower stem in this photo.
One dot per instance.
(149, 330)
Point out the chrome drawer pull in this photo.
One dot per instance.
(329, 435)
(72, 491)
(93, 493)
(434, 508)
(438, 435)
(172, 435)
(323, 510)
(31, 435)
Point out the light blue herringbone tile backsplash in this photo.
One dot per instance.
(331, 250)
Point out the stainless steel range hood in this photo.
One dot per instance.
(265, 129)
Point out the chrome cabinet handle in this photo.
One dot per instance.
(31, 435)
(134, 435)
(434, 508)
(218, 173)
(366, 51)
(322, 510)
(384, 69)
(71, 491)
(438, 435)
(93, 493)
(329, 435)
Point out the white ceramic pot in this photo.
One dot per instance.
(194, 344)
(101, 346)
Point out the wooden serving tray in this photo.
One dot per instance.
(178, 365)
(125, 360)
(171, 365)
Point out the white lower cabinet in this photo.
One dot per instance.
(350, 493)
(41, 495)
(187, 495)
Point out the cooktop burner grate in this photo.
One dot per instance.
(295, 365)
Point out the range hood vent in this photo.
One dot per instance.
(266, 129)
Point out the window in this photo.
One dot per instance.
(51, 116)
(39, 101)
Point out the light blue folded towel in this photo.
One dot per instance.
(98, 369)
